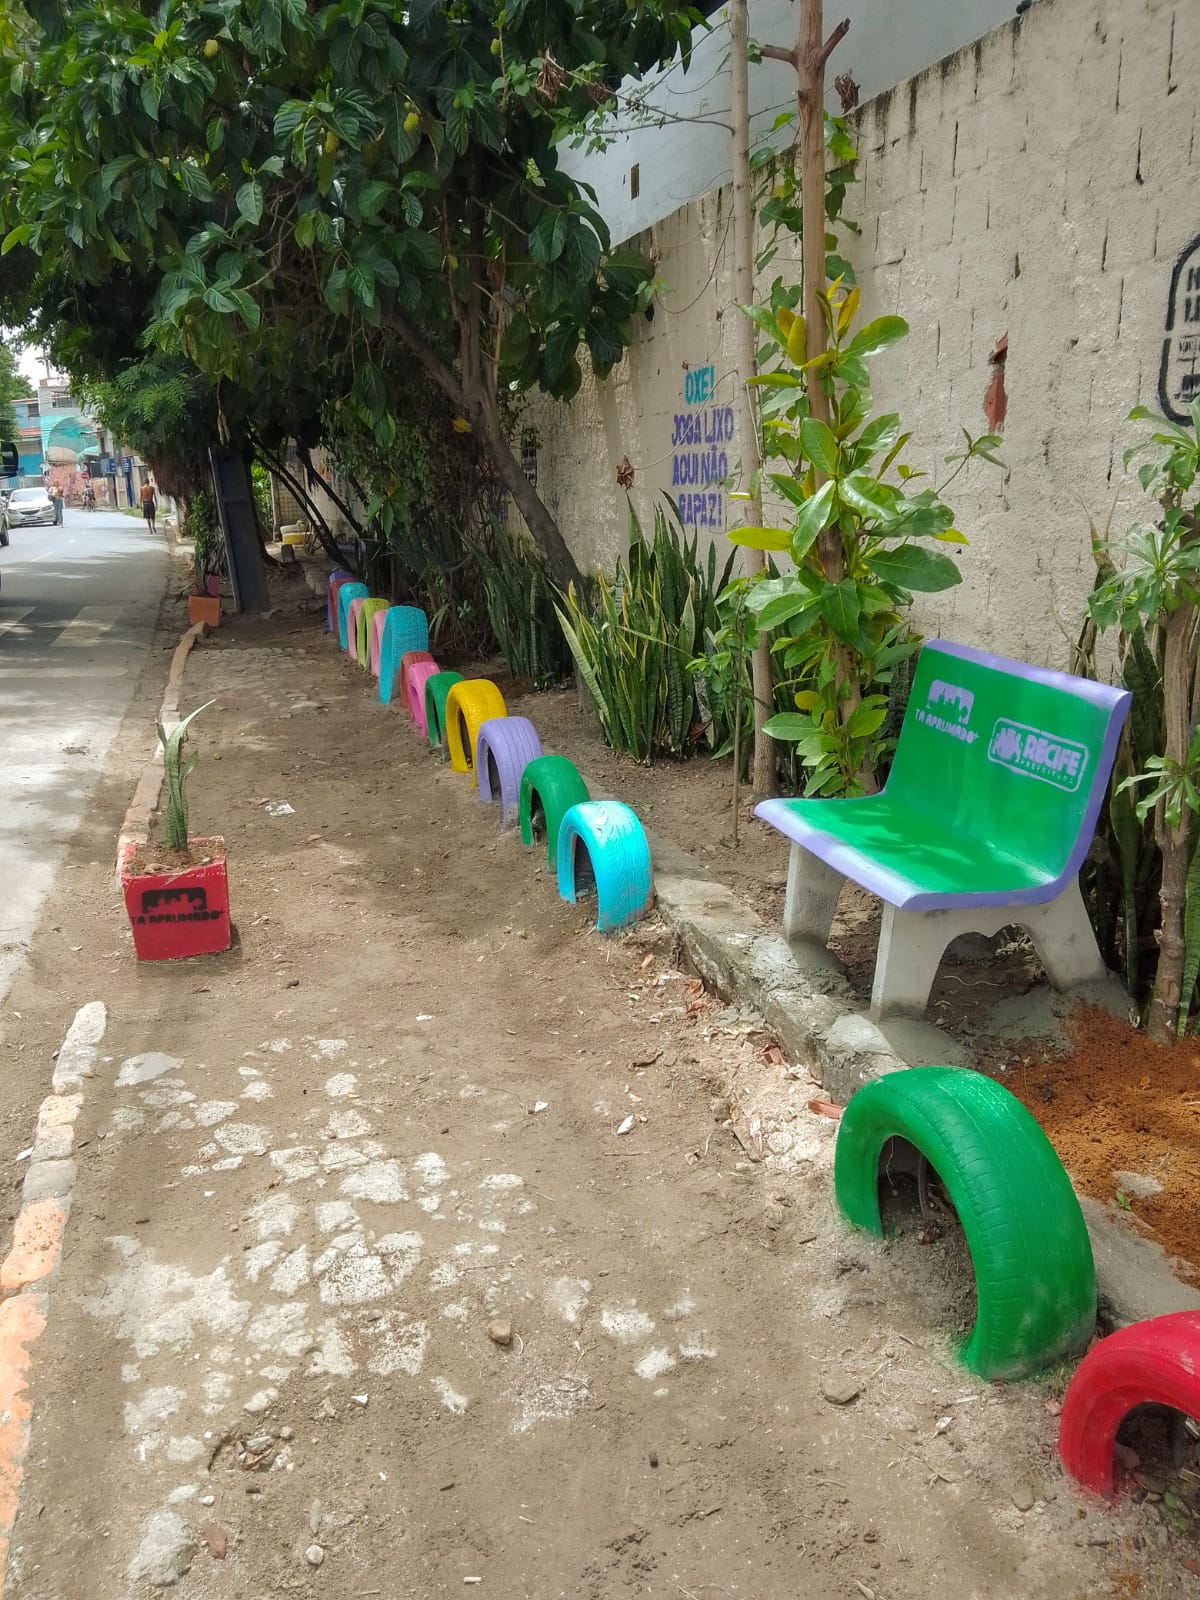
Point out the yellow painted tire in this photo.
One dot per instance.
(469, 705)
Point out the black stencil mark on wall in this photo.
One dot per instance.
(1179, 371)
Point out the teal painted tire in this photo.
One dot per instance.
(436, 690)
(347, 593)
(608, 836)
(1035, 1280)
(550, 786)
(405, 628)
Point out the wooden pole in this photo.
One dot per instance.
(763, 778)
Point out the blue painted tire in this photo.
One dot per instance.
(335, 576)
(405, 628)
(347, 593)
(504, 747)
(550, 786)
(616, 851)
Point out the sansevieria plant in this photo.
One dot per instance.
(177, 902)
(178, 769)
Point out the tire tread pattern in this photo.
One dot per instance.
(1034, 1276)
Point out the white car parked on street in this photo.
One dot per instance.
(29, 508)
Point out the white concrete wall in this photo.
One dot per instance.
(680, 139)
(1040, 184)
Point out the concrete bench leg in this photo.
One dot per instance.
(912, 943)
(810, 902)
(1063, 938)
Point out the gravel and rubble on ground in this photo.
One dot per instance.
(365, 1292)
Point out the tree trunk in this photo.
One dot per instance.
(1167, 999)
(543, 529)
(560, 563)
(763, 778)
(811, 55)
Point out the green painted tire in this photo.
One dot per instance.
(436, 690)
(1034, 1277)
(554, 784)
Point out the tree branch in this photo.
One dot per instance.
(834, 39)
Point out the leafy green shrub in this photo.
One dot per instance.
(861, 544)
(1151, 594)
(639, 640)
(200, 526)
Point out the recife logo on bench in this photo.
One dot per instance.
(1037, 754)
(948, 709)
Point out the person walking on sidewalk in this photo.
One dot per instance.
(56, 495)
(149, 504)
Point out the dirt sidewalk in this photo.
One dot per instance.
(314, 1172)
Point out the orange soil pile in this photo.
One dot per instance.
(1115, 1102)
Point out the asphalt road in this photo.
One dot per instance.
(77, 612)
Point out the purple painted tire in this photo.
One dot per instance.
(503, 749)
(419, 675)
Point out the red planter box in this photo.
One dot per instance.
(182, 913)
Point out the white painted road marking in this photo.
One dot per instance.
(12, 619)
(88, 625)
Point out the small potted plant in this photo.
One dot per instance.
(204, 601)
(177, 893)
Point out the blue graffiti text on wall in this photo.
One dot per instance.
(697, 461)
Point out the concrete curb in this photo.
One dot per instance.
(811, 1012)
(136, 825)
(36, 1252)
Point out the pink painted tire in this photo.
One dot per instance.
(504, 747)
(419, 675)
(409, 660)
(352, 627)
(376, 640)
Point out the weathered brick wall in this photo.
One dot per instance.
(1041, 185)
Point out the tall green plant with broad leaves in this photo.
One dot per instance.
(636, 642)
(178, 768)
(1153, 585)
(842, 634)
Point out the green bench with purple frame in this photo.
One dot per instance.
(984, 821)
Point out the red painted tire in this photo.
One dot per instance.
(1156, 1362)
(337, 578)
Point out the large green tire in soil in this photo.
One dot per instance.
(1034, 1278)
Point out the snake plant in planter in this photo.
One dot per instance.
(177, 893)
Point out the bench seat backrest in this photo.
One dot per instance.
(1015, 756)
